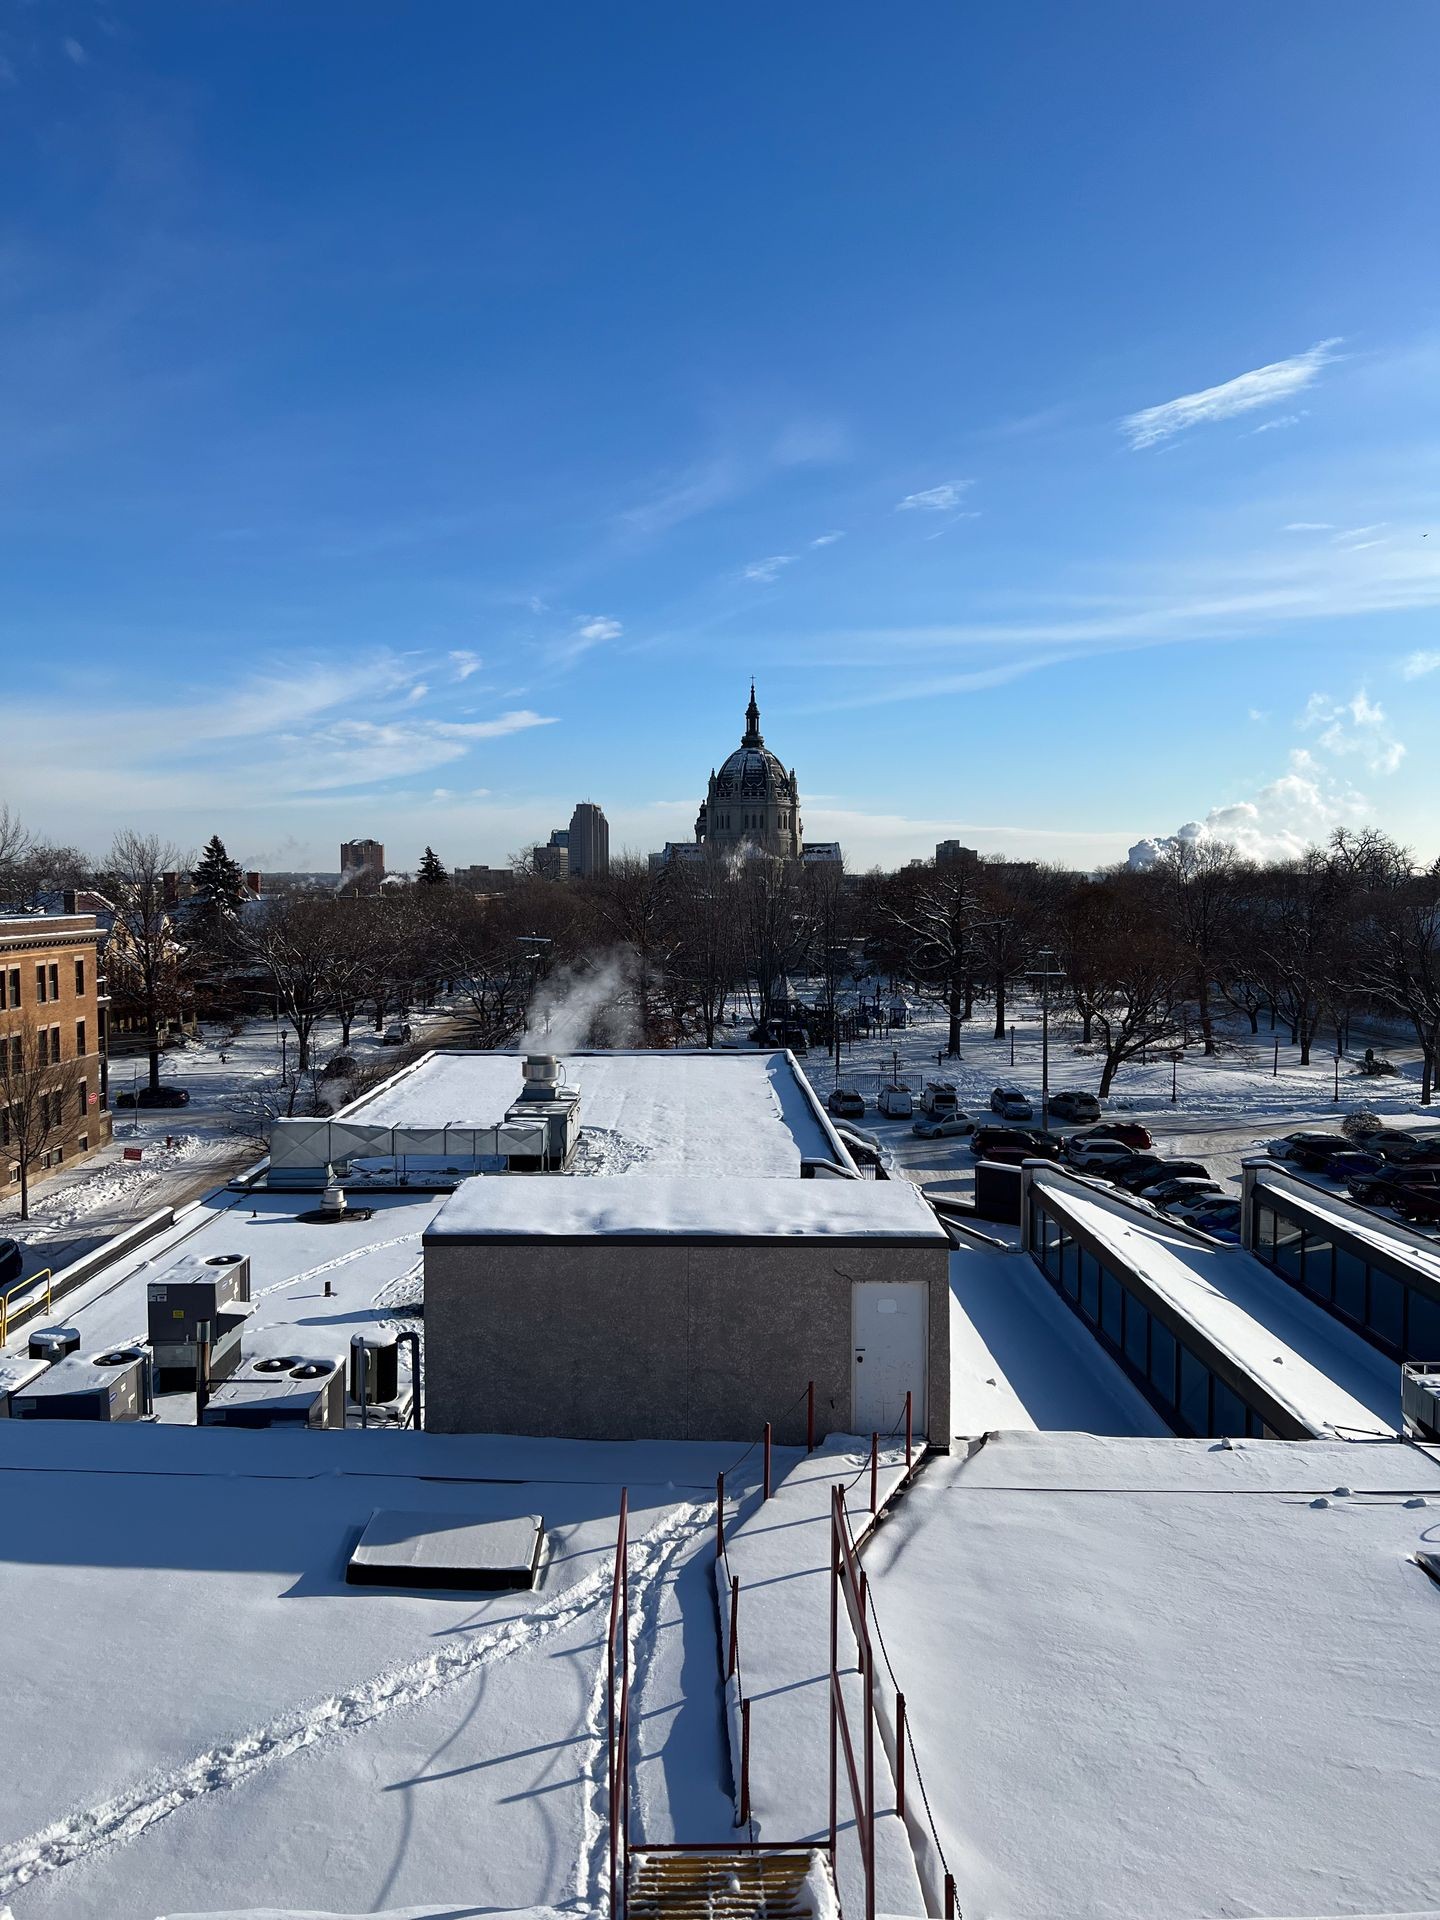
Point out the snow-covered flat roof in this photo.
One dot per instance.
(684, 1206)
(201, 1714)
(1154, 1677)
(368, 1264)
(1311, 1363)
(735, 1114)
(1020, 1358)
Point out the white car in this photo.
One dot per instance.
(1094, 1156)
(952, 1126)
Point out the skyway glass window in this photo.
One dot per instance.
(1228, 1413)
(1111, 1309)
(1162, 1362)
(1386, 1316)
(1423, 1329)
(1318, 1267)
(1194, 1392)
(1289, 1248)
(1265, 1232)
(1137, 1334)
(1350, 1286)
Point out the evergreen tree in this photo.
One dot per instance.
(217, 878)
(433, 872)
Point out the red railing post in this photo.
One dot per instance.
(900, 1754)
(733, 1658)
(767, 1459)
(874, 1473)
(719, 1516)
(744, 1763)
(909, 1429)
(810, 1418)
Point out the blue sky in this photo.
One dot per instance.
(419, 418)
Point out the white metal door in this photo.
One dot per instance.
(889, 1324)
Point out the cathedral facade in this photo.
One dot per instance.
(752, 801)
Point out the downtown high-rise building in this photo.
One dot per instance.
(589, 841)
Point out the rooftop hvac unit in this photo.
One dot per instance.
(556, 1107)
(54, 1343)
(15, 1376)
(193, 1295)
(284, 1390)
(1420, 1399)
(114, 1385)
(374, 1369)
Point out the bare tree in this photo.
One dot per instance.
(144, 956)
(701, 906)
(38, 1091)
(293, 939)
(1122, 958)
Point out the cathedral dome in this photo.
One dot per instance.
(752, 772)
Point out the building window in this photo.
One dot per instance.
(1387, 1309)
(1423, 1332)
(80, 1047)
(1137, 1334)
(1194, 1392)
(17, 1059)
(1229, 1416)
(54, 979)
(1350, 1286)
(1319, 1264)
(1162, 1362)
(1111, 1310)
(80, 976)
(83, 1143)
(14, 986)
(40, 984)
(82, 1100)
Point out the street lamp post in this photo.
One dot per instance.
(1045, 974)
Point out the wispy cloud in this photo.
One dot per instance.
(1354, 726)
(1284, 420)
(416, 694)
(465, 662)
(1308, 526)
(766, 572)
(1417, 665)
(941, 499)
(684, 496)
(1262, 387)
(74, 52)
(591, 631)
(826, 539)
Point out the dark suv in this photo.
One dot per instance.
(1011, 1145)
(12, 1261)
(155, 1097)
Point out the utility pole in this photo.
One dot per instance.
(1044, 974)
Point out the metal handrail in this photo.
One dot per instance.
(618, 1713)
(28, 1306)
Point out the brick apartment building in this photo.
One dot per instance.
(53, 1073)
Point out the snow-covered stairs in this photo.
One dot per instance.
(788, 1884)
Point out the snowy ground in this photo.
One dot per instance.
(1224, 1108)
(75, 1210)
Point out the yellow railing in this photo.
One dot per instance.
(26, 1306)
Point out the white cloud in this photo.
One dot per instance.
(417, 693)
(465, 662)
(768, 571)
(1310, 799)
(1256, 714)
(1417, 665)
(1308, 526)
(74, 52)
(1262, 387)
(935, 499)
(592, 630)
(826, 539)
(1353, 726)
(1285, 420)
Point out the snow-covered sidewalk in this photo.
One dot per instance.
(780, 1552)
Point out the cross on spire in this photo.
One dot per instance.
(752, 721)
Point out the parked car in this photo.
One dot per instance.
(1291, 1146)
(1011, 1145)
(847, 1103)
(1212, 1210)
(12, 1261)
(954, 1126)
(1351, 1165)
(154, 1097)
(1071, 1104)
(396, 1034)
(1148, 1168)
(1373, 1188)
(1414, 1150)
(896, 1100)
(1312, 1157)
(1129, 1132)
(1011, 1104)
(1098, 1156)
(1182, 1187)
(938, 1098)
